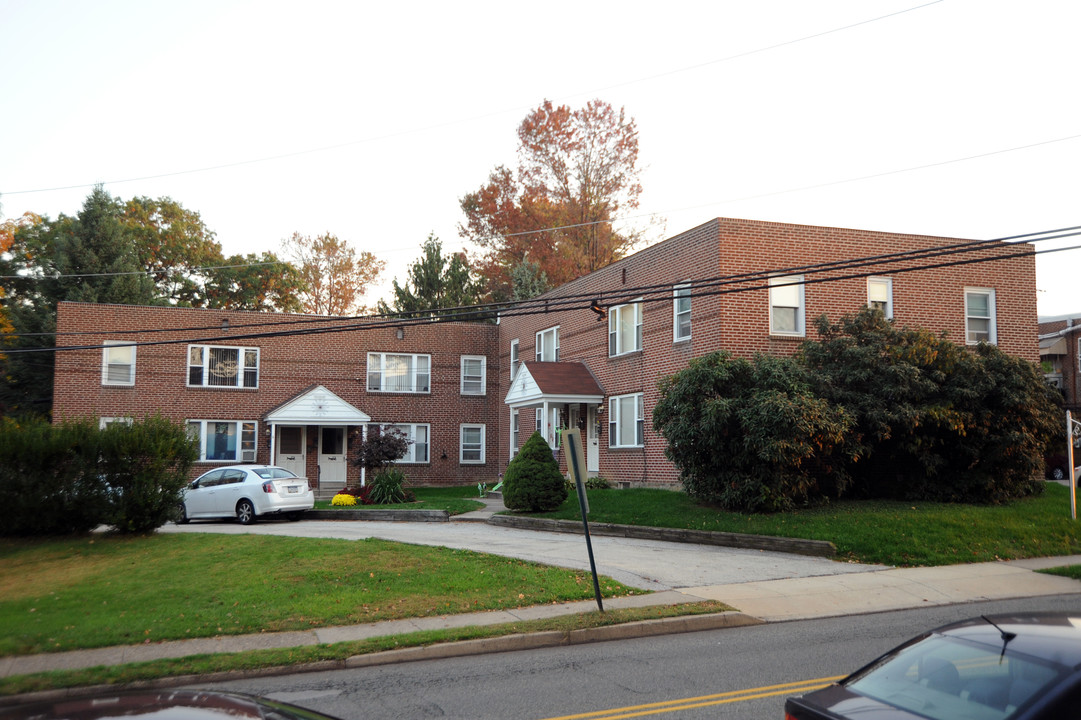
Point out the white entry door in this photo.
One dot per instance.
(332, 453)
(593, 448)
(290, 449)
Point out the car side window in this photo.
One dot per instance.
(233, 476)
(211, 479)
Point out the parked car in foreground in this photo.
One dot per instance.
(246, 492)
(1018, 667)
(163, 705)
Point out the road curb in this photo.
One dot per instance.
(817, 548)
(380, 515)
(463, 648)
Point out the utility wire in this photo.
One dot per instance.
(425, 315)
(475, 314)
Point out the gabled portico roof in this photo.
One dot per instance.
(537, 383)
(316, 406)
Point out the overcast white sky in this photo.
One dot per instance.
(370, 120)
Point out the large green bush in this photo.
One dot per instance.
(532, 482)
(869, 410)
(749, 434)
(72, 477)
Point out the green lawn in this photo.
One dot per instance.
(104, 590)
(889, 532)
(455, 500)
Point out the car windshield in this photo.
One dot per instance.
(273, 473)
(942, 678)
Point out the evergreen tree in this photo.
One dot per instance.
(435, 283)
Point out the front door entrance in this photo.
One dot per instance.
(332, 464)
(593, 448)
(290, 449)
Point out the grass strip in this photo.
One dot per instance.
(1069, 571)
(889, 532)
(103, 590)
(287, 657)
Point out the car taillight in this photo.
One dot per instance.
(268, 487)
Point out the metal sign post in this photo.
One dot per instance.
(572, 444)
(1069, 465)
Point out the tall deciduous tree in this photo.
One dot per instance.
(577, 170)
(435, 282)
(254, 282)
(335, 276)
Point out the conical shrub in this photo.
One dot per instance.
(533, 482)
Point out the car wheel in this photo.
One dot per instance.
(245, 512)
(1058, 473)
(182, 515)
(293, 516)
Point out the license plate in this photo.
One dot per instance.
(294, 488)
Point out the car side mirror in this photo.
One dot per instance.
(194, 485)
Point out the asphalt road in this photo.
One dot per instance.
(645, 564)
(733, 673)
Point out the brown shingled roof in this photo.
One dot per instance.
(564, 378)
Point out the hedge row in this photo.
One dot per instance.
(72, 477)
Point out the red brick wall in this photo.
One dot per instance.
(288, 366)
(738, 321)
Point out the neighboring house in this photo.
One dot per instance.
(1060, 354)
(470, 394)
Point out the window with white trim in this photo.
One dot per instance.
(980, 316)
(398, 373)
(786, 309)
(514, 357)
(471, 447)
(418, 435)
(515, 429)
(117, 363)
(107, 421)
(224, 440)
(548, 345)
(625, 328)
(681, 313)
(474, 374)
(880, 295)
(223, 366)
(626, 421)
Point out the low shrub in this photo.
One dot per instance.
(343, 499)
(532, 482)
(386, 488)
(593, 483)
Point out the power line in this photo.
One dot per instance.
(707, 287)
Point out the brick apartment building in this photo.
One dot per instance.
(300, 391)
(1060, 354)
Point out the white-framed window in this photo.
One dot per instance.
(474, 374)
(539, 425)
(515, 429)
(980, 316)
(625, 328)
(515, 359)
(224, 366)
(471, 447)
(880, 295)
(399, 373)
(107, 421)
(230, 441)
(626, 421)
(681, 313)
(117, 363)
(786, 308)
(419, 437)
(548, 345)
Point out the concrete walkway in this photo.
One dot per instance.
(763, 586)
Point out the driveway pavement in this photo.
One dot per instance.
(644, 564)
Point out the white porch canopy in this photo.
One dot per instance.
(314, 406)
(551, 385)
